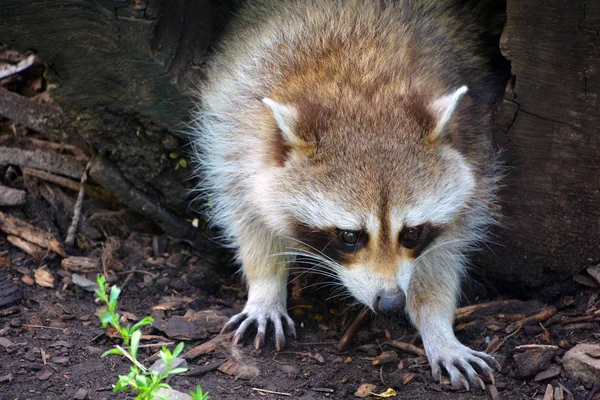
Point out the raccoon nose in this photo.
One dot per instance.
(390, 302)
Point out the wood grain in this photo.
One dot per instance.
(551, 198)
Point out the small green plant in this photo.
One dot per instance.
(145, 383)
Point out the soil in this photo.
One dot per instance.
(57, 339)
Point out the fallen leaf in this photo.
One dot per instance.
(388, 393)
(44, 278)
(364, 390)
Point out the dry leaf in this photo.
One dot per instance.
(387, 394)
(365, 390)
(44, 278)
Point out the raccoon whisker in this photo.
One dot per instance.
(442, 244)
(354, 304)
(322, 285)
(315, 271)
(313, 248)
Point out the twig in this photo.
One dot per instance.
(128, 278)
(7, 70)
(536, 346)
(271, 392)
(533, 319)
(72, 231)
(43, 327)
(360, 320)
(139, 271)
(133, 360)
(92, 190)
(39, 159)
(407, 347)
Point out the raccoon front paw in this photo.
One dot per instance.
(458, 361)
(252, 315)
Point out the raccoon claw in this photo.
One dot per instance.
(459, 362)
(246, 319)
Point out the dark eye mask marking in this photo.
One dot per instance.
(329, 242)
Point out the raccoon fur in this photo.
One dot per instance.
(354, 135)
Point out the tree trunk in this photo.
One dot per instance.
(551, 134)
(120, 69)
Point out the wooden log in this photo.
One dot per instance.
(551, 137)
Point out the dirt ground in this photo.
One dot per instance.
(56, 339)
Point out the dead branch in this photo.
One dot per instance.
(533, 319)
(72, 232)
(43, 118)
(360, 320)
(15, 226)
(107, 174)
(465, 314)
(11, 197)
(92, 190)
(407, 347)
(38, 159)
(36, 252)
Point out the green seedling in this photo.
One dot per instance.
(141, 381)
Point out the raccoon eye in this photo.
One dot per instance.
(351, 238)
(413, 236)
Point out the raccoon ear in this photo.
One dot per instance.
(287, 119)
(443, 107)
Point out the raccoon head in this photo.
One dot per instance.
(366, 193)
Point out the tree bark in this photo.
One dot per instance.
(120, 71)
(551, 137)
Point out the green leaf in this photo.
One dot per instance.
(177, 371)
(105, 317)
(114, 295)
(135, 343)
(177, 350)
(182, 163)
(144, 322)
(142, 381)
(111, 351)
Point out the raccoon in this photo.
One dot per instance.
(353, 134)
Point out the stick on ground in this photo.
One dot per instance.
(72, 232)
(15, 226)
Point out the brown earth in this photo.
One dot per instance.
(56, 339)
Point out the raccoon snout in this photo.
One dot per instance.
(390, 302)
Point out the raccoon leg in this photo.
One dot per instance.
(266, 273)
(431, 304)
